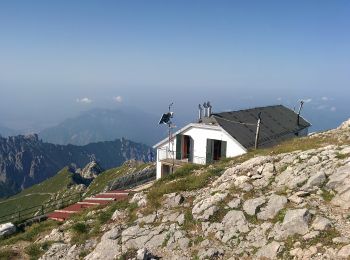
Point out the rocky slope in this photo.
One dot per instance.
(26, 160)
(265, 205)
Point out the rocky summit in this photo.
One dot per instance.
(287, 202)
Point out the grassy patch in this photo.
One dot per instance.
(252, 219)
(103, 179)
(280, 216)
(34, 251)
(341, 156)
(325, 237)
(80, 228)
(182, 180)
(80, 233)
(130, 254)
(30, 233)
(283, 168)
(166, 239)
(6, 254)
(189, 223)
(220, 214)
(37, 194)
(327, 195)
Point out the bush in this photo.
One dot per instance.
(34, 251)
(8, 254)
(80, 228)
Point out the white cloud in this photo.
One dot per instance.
(84, 100)
(118, 99)
(279, 99)
(325, 98)
(307, 100)
(333, 109)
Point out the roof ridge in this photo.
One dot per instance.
(247, 109)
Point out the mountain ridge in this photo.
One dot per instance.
(104, 125)
(26, 160)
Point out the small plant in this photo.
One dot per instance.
(341, 156)
(80, 233)
(325, 237)
(219, 215)
(130, 254)
(8, 254)
(252, 219)
(34, 251)
(327, 195)
(198, 240)
(83, 254)
(80, 228)
(190, 222)
(166, 239)
(280, 216)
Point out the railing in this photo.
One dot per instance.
(166, 154)
(132, 180)
(23, 215)
(198, 160)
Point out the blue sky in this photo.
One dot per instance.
(60, 57)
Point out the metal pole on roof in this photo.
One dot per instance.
(170, 136)
(257, 131)
(299, 112)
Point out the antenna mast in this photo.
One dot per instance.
(166, 119)
(299, 112)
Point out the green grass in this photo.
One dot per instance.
(182, 180)
(7, 254)
(103, 179)
(80, 233)
(342, 156)
(34, 251)
(280, 215)
(327, 195)
(37, 194)
(129, 254)
(80, 228)
(30, 233)
(325, 237)
(189, 223)
(40, 193)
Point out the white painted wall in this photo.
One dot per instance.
(200, 134)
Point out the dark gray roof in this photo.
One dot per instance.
(278, 123)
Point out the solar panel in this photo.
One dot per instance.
(165, 119)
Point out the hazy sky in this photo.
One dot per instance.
(60, 57)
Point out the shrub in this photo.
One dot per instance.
(34, 251)
(6, 254)
(80, 228)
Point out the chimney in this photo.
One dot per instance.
(200, 112)
(205, 109)
(209, 109)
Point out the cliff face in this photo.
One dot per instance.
(25, 160)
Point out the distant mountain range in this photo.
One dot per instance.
(103, 125)
(5, 131)
(26, 160)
